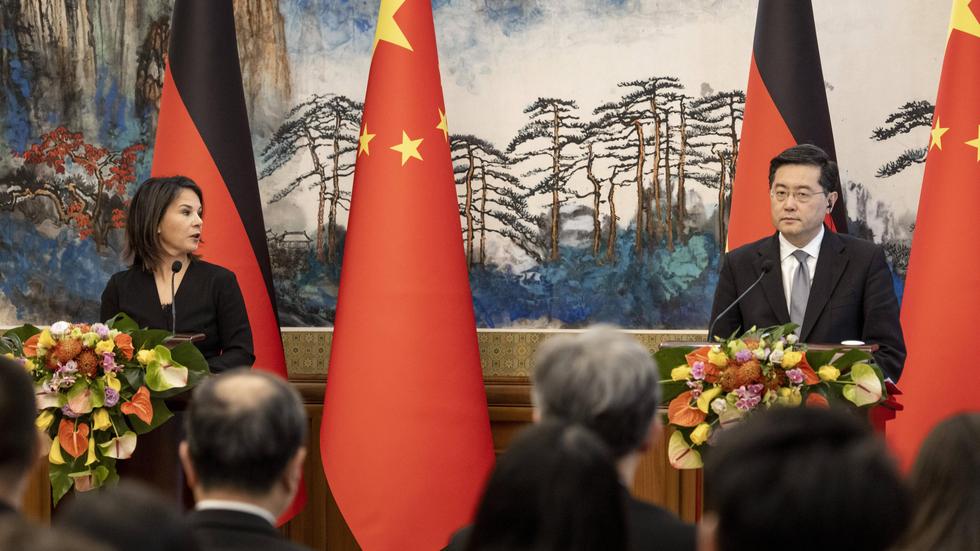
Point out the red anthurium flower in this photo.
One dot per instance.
(139, 406)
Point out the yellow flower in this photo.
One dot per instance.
(704, 401)
(91, 452)
(100, 419)
(54, 454)
(112, 382)
(700, 434)
(103, 347)
(680, 373)
(44, 420)
(791, 358)
(30, 366)
(828, 373)
(145, 356)
(789, 397)
(717, 358)
(45, 340)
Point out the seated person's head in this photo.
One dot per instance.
(555, 488)
(20, 535)
(602, 379)
(802, 479)
(18, 435)
(127, 516)
(945, 487)
(245, 439)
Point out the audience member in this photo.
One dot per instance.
(16, 534)
(945, 488)
(127, 516)
(243, 457)
(19, 443)
(606, 381)
(803, 479)
(555, 489)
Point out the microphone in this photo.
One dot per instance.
(174, 269)
(767, 265)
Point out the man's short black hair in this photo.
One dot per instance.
(18, 437)
(810, 155)
(804, 479)
(243, 427)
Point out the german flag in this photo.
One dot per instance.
(203, 133)
(785, 105)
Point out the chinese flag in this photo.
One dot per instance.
(942, 290)
(785, 105)
(405, 440)
(203, 133)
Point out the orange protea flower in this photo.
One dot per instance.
(738, 375)
(125, 344)
(88, 363)
(67, 350)
(681, 413)
(30, 346)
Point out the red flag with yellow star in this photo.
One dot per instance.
(405, 441)
(942, 289)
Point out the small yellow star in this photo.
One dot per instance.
(388, 30)
(963, 18)
(364, 142)
(409, 148)
(936, 138)
(976, 143)
(443, 125)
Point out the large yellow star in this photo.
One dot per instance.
(936, 138)
(443, 125)
(364, 141)
(963, 18)
(409, 148)
(388, 30)
(976, 143)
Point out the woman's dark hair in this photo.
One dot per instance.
(556, 488)
(945, 487)
(146, 210)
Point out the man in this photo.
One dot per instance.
(833, 286)
(243, 458)
(806, 479)
(19, 443)
(606, 381)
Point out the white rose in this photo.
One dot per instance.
(59, 328)
(719, 405)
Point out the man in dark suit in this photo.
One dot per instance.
(606, 381)
(834, 286)
(19, 444)
(243, 457)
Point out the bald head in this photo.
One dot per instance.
(243, 428)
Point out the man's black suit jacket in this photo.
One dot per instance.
(851, 296)
(225, 530)
(650, 528)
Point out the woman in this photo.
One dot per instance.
(945, 487)
(163, 228)
(555, 489)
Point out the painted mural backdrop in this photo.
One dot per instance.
(594, 143)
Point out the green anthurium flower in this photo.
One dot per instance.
(121, 447)
(163, 373)
(80, 398)
(681, 455)
(866, 388)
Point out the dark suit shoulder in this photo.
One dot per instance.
(857, 244)
(655, 528)
(750, 251)
(225, 530)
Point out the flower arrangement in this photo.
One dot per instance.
(98, 387)
(709, 388)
